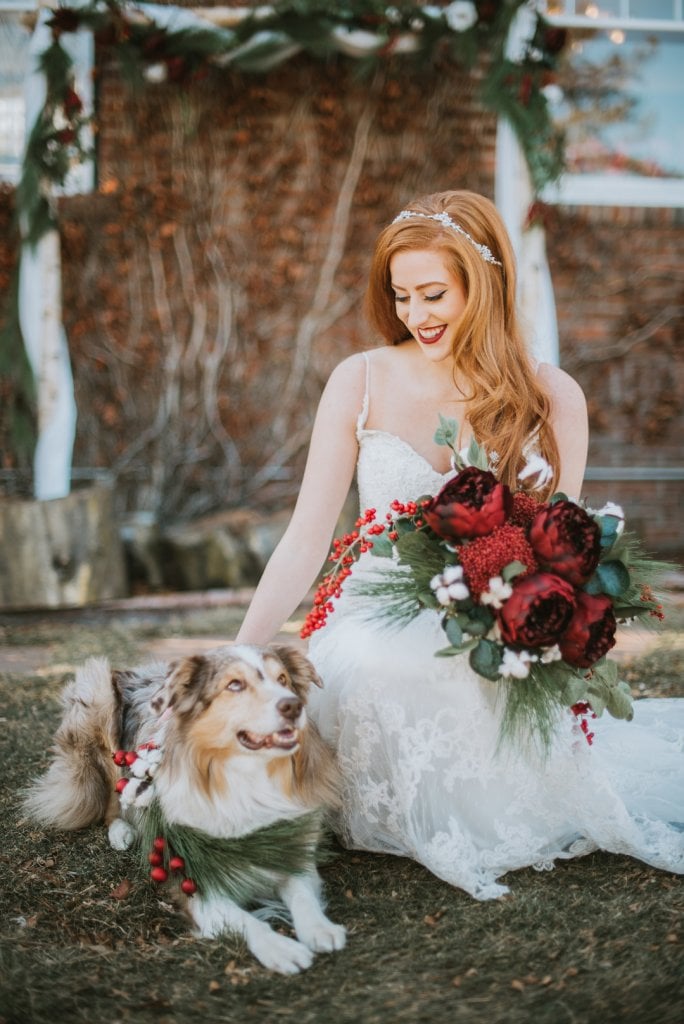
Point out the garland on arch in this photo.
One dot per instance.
(155, 43)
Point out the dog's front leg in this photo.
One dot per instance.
(217, 915)
(301, 895)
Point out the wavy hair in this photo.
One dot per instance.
(507, 406)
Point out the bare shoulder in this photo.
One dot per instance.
(565, 393)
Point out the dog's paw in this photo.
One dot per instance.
(281, 954)
(121, 834)
(323, 936)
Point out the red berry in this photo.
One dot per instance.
(159, 843)
(155, 858)
(119, 758)
(159, 874)
(130, 757)
(121, 785)
(188, 886)
(176, 863)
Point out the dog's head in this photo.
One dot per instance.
(241, 698)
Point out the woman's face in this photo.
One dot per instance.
(429, 299)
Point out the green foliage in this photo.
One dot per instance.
(240, 868)
(485, 659)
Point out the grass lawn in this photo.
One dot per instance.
(85, 938)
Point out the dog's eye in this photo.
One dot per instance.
(236, 685)
(283, 680)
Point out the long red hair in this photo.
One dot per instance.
(507, 406)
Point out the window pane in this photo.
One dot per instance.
(14, 43)
(624, 93)
(652, 9)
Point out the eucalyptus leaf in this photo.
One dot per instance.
(619, 703)
(382, 546)
(609, 530)
(447, 432)
(513, 569)
(476, 456)
(453, 631)
(485, 659)
(558, 496)
(613, 577)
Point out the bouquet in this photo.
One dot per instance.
(531, 591)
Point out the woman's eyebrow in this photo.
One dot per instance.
(428, 284)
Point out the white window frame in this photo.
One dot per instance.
(610, 189)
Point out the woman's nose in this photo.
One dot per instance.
(416, 314)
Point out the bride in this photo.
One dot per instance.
(417, 736)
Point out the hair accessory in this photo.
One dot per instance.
(445, 220)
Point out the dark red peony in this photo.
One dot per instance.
(591, 632)
(538, 612)
(471, 505)
(566, 541)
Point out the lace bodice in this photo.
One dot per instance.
(388, 466)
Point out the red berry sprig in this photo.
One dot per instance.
(583, 711)
(344, 552)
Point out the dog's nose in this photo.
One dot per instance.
(289, 707)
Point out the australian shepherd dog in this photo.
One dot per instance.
(226, 751)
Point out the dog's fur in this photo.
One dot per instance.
(239, 754)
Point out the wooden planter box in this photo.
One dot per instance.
(62, 553)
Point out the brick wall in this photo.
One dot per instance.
(618, 276)
(190, 277)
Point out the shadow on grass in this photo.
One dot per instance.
(596, 940)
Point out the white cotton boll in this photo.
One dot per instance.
(458, 591)
(146, 797)
(515, 663)
(442, 595)
(460, 15)
(497, 593)
(436, 582)
(452, 574)
(406, 43)
(128, 795)
(155, 73)
(538, 467)
(139, 768)
(551, 654)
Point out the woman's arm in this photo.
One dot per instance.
(298, 558)
(570, 426)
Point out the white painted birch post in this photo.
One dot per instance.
(513, 196)
(40, 289)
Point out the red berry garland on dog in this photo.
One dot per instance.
(138, 791)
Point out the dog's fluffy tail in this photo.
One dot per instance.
(78, 788)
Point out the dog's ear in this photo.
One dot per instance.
(300, 669)
(185, 679)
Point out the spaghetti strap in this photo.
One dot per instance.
(363, 415)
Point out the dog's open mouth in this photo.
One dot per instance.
(284, 739)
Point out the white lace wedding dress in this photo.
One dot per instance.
(417, 739)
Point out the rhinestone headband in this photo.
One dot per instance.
(445, 220)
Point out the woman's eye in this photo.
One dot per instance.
(235, 685)
(401, 298)
(434, 298)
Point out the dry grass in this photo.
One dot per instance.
(596, 940)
